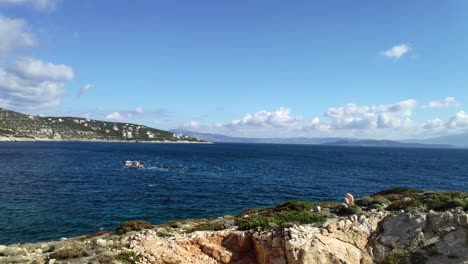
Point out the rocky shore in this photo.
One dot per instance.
(394, 226)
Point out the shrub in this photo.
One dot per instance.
(70, 252)
(209, 227)
(446, 200)
(398, 190)
(280, 219)
(329, 204)
(128, 257)
(350, 210)
(408, 206)
(381, 200)
(377, 207)
(294, 206)
(253, 222)
(455, 203)
(434, 204)
(392, 258)
(440, 205)
(132, 226)
(365, 201)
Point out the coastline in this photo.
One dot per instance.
(25, 139)
(400, 225)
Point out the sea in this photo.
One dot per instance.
(50, 190)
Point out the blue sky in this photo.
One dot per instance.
(245, 68)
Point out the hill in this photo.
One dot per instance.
(460, 140)
(385, 143)
(16, 126)
(227, 139)
(335, 141)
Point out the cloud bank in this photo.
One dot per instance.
(28, 83)
(41, 5)
(14, 35)
(445, 103)
(32, 84)
(391, 121)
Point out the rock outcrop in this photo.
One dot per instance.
(369, 236)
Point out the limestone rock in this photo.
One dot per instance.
(101, 242)
(403, 230)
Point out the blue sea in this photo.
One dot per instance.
(51, 190)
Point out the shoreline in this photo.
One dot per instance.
(24, 139)
(399, 225)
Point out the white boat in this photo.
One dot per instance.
(134, 164)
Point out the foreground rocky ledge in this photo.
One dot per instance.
(393, 226)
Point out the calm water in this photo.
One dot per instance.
(52, 190)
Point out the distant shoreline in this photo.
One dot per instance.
(21, 139)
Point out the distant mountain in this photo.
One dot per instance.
(331, 141)
(226, 139)
(16, 126)
(385, 143)
(460, 140)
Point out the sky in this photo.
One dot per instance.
(363, 69)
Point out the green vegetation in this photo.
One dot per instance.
(105, 259)
(411, 199)
(74, 251)
(136, 225)
(70, 128)
(209, 227)
(398, 191)
(292, 212)
(329, 204)
(128, 257)
(403, 258)
(350, 210)
(300, 212)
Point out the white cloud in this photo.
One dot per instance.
(459, 121)
(43, 5)
(115, 116)
(389, 121)
(317, 124)
(33, 87)
(27, 83)
(13, 36)
(279, 118)
(434, 124)
(84, 89)
(30, 68)
(120, 116)
(139, 110)
(18, 93)
(445, 103)
(396, 52)
(352, 116)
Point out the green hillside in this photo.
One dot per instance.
(14, 126)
